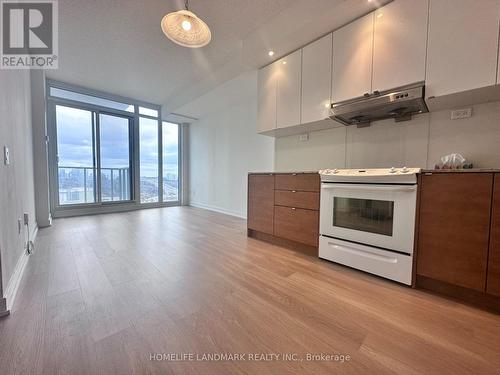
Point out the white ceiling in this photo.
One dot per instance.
(117, 46)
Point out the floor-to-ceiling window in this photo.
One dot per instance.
(170, 145)
(106, 152)
(115, 163)
(149, 165)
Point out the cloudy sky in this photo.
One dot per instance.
(74, 142)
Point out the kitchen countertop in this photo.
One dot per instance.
(291, 172)
(472, 170)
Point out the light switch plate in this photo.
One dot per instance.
(6, 155)
(461, 113)
(304, 137)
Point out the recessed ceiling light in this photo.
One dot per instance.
(284, 62)
(271, 53)
(380, 15)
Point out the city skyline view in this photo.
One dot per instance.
(76, 144)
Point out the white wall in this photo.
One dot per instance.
(16, 179)
(417, 143)
(40, 163)
(224, 146)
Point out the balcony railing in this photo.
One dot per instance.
(77, 184)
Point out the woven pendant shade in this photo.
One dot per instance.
(186, 29)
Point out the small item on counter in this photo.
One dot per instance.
(453, 161)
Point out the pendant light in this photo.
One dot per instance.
(186, 29)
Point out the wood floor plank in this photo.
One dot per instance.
(102, 294)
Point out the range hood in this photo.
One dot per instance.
(400, 104)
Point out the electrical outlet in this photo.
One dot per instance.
(6, 155)
(304, 137)
(461, 113)
(26, 219)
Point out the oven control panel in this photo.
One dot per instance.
(377, 175)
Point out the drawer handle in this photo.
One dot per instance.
(293, 208)
(294, 174)
(294, 191)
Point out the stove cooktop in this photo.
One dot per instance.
(380, 175)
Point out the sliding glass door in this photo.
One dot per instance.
(94, 160)
(109, 153)
(76, 156)
(115, 158)
(149, 163)
(170, 152)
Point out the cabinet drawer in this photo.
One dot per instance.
(297, 199)
(297, 224)
(298, 181)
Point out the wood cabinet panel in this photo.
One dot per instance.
(297, 199)
(298, 181)
(493, 281)
(297, 224)
(352, 59)
(454, 225)
(261, 203)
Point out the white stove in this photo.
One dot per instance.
(367, 219)
(381, 175)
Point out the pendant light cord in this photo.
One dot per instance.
(186, 4)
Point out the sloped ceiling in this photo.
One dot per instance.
(117, 46)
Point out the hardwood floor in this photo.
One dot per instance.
(103, 293)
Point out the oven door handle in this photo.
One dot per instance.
(408, 188)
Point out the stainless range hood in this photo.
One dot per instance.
(400, 104)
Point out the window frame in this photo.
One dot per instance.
(58, 210)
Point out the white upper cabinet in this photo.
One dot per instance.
(463, 45)
(399, 46)
(288, 98)
(316, 79)
(266, 98)
(352, 59)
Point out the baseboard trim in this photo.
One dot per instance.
(217, 209)
(17, 275)
(15, 280)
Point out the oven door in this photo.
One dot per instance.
(376, 215)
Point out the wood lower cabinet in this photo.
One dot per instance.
(297, 199)
(493, 280)
(296, 224)
(284, 209)
(261, 202)
(458, 243)
(454, 228)
(298, 182)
